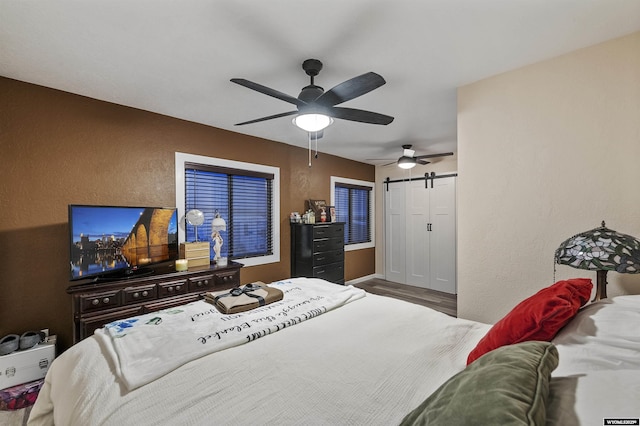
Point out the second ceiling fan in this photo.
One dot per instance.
(316, 108)
(409, 159)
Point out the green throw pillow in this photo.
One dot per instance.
(507, 386)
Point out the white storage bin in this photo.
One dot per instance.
(25, 366)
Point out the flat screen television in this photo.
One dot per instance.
(111, 242)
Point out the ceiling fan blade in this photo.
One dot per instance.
(257, 120)
(359, 115)
(269, 91)
(388, 164)
(350, 89)
(422, 161)
(444, 154)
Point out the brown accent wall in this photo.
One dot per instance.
(58, 149)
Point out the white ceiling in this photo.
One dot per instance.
(176, 57)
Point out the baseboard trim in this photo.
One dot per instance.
(365, 278)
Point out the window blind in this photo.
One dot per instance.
(353, 207)
(242, 198)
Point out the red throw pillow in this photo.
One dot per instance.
(538, 317)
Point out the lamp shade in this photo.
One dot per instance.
(218, 224)
(406, 162)
(312, 122)
(601, 249)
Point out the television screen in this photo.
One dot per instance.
(109, 241)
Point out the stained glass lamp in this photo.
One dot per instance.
(601, 249)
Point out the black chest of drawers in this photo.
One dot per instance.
(317, 250)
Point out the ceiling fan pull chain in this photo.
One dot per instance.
(309, 136)
(316, 140)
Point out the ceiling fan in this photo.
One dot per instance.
(317, 108)
(409, 159)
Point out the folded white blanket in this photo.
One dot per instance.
(146, 347)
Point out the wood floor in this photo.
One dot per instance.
(443, 302)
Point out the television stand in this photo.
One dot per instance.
(95, 304)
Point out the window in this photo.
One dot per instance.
(354, 201)
(245, 195)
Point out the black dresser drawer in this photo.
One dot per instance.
(324, 258)
(327, 244)
(333, 272)
(328, 231)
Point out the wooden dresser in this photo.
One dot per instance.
(97, 304)
(317, 250)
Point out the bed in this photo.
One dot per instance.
(361, 359)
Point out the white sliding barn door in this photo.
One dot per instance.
(395, 234)
(420, 234)
(443, 235)
(417, 217)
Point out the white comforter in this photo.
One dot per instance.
(368, 362)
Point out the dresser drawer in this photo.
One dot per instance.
(333, 272)
(170, 302)
(324, 258)
(91, 323)
(227, 279)
(328, 231)
(139, 294)
(202, 283)
(172, 288)
(327, 244)
(99, 301)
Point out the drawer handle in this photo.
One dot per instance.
(136, 295)
(105, 300)
(170, 289)
(95, 302)
(178, 288)
(321, 272)
(321, 258)
(199, 283)
(145, 293)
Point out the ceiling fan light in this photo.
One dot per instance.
(406, 162)
(312, 122)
